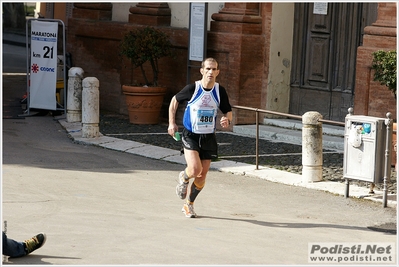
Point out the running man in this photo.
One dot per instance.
(204, 98)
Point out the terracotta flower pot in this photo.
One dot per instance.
(144, 103)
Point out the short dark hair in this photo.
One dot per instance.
(209, 59)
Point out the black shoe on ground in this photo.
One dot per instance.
(34, 243)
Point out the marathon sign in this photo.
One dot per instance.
(43, 65)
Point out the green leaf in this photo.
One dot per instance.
(384, 65)
(146, 44)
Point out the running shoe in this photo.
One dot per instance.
(188, 210)
(181, 188)
(35, 242)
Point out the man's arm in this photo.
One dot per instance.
(172, 116)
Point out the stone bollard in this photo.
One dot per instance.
(312, 147)
(90, 108)
(74, 99)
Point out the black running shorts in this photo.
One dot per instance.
(205, 144)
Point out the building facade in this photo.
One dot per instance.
(285, 57)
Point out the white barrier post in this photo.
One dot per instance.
(90, 108)
(74, 99)
(312, 147)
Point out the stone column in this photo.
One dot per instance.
(94, 11)
(74, 99)
(239, 18)
(90, 108)
(152, 14)
(371, 98)
(237, 28)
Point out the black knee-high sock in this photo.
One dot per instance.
(195, 190)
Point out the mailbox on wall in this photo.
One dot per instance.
(364, 148)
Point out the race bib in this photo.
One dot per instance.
(204, 121)
(205, 117)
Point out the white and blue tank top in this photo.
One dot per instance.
(201, 111)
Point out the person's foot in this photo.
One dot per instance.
(181, 188)
(188, 210)
(34, 243)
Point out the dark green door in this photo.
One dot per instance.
(324, 57)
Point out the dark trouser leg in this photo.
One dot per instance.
(12, 248)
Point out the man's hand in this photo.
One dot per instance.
(172, 129)
(225, 122)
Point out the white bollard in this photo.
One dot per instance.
(312, 147)
(74, 99)
(90, 108)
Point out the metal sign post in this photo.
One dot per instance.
(45, 69)
(197, 43)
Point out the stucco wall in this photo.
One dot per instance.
(278, 87)
(120, 11)
(180, 12)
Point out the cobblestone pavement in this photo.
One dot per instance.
(277, 155)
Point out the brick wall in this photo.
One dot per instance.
(371, 98)
(93, 45)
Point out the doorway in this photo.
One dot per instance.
(324, 57)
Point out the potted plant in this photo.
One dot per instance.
(384, 66)
(143, 46)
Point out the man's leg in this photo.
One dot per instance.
(16, 249)
(12, 248)
(194, 163)
(199, 181)
(193, 168)
(196, 187)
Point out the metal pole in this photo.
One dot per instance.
(64, 108)
(27, 68)
(346, 187)
(188, 53)
(257, 140)
(269, 112)
(388, 141)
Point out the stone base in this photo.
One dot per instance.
(312, 174)
(90, 130)
(150, 14)
(149, 20)
(74, 116)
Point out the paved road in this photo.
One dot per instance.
(14, 59)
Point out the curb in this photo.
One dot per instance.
(14, 39)
(74, 130)
(10, 42)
